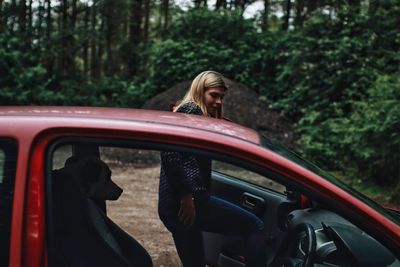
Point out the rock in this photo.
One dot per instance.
(241, 105)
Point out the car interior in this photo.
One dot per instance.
(299, 230)
(84, 235)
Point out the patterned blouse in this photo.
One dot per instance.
(182, 173)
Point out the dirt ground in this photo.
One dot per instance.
(136, 212)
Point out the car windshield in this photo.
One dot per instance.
(281, 150)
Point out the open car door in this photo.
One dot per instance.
(255, 193)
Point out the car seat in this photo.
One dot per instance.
(84, 235)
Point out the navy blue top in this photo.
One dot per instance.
(183, 173)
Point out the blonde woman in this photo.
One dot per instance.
(205, 93)
(185, 205)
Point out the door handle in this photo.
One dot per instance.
(252, 202)
(247, 202)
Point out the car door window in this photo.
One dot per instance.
(8, 156)
(61, 155)
(247, 176)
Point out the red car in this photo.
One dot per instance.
(311, 218)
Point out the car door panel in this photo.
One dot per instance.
(265, 203)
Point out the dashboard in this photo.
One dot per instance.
(321, 238)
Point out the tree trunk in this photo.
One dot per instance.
(265, 16)
(13, 15)
(100, 54)
(3, 18)
(311, 6)
(86, 44)
(220, 4)
(197, 3)
(146, 20)
(30, 18)
(135, 22)
(67, 53)
(165, 12)
(63, 52)
(109, 35)
(48, 59)
(298, 21)
(135, 36)
(286, 18)
(48, 20)
(71, 38)
(94, 44)
(39, 24)
(74, 16)
(355, 5)
(22, 16)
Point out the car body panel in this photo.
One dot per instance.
(35, 128)
(150, 116)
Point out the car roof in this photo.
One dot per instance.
(48, 113)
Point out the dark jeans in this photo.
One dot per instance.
(218, 216)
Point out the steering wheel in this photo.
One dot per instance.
(283, 259)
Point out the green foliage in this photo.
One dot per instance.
(200, 40)
(368, 140)
(107, 92)
(22, 78)
(225, 26)
(322, 66)
(331, 62)
(338, 77)
(23, 81)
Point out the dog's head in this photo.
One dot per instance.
(94, 177)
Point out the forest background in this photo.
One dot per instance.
(331, 66)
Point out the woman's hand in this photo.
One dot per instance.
(187, 211)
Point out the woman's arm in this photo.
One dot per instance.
(187, 211)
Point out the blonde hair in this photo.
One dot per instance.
(200, 84)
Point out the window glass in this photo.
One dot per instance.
(246, 175)
(8, 156)
(61, 155)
